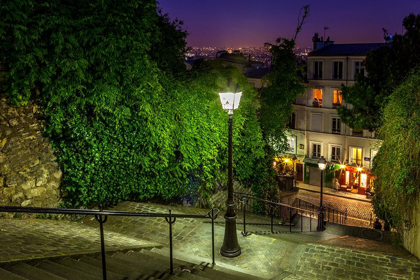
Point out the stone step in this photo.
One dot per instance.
(89, 269)
(157, 255)
(111, 266)
(33, 273)
(65, 271)
(194, 268)
(7, 275)
(219, 271)
(137, 267)
(143, 260)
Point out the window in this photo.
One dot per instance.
(316, 124)
(318, 70)
(336, 125)
(356, 155)
(292, 121)
(316, 150)
(337, 70)
(317, 97)
(291, 142)
(359, 68)
(337, 97)
(335, 153)
(357, 132)
(373, 153)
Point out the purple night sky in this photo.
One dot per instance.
(251, 23)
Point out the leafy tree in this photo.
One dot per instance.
(387, 68)
(125, 119)
(397, 164)
(284, 85)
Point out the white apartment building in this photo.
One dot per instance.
(316, 129)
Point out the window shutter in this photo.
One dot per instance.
(317, 122)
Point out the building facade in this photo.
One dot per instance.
(316, 129)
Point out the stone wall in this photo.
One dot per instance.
(411, 237)
(29, 174)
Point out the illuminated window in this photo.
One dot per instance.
(291, 142)
(337, 97)
(317, 97)
(363, 180)
(318, 70)
(347, 177)
(356, 155)
(337, 70)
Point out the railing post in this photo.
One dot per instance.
(170, 222)
(301, 221)
(244, 202)
(101, 220)
(310, 222)
(272, 218)
(212, 234)
(290, 219)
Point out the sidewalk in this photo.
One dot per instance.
(296, 255)
(329, 191)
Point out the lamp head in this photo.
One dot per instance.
(230, 97)
(322, 163)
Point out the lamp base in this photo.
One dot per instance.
(230, 247)
(320, 226)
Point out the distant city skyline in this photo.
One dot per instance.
(247, 23)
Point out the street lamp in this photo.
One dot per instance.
(230, 248)
(322, 163)
(293, 169)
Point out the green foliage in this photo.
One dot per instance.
(387, 68)
(284, 86)
(250, 161)
(125, 119)
(397, 165)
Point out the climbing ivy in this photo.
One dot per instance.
(397, 164)
(125, 118)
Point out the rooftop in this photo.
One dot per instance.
(347, 49)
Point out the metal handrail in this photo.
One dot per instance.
(337, 215)
(245, 197)
(273, 202)
(101, 216)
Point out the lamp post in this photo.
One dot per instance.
(293, 169)
(230, 248)
(322, 163)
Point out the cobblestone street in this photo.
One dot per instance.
(359, 209)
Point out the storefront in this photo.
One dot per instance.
(355, 179)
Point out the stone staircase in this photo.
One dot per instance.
(132, 265)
